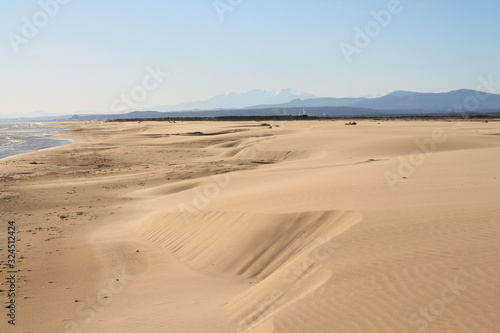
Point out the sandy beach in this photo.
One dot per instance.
(301, 226)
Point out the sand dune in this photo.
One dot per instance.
(241, 244)
(237, 227)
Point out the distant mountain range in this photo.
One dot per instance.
(288, 98)
(407, 100)
(311, 102)
(234, 100)
(288, 101)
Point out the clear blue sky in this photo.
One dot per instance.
(90, 52)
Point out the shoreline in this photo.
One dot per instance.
(37, 149)
(146, 226)
(52, 135)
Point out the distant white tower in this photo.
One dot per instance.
(304, 111)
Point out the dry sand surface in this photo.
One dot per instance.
(308, 226)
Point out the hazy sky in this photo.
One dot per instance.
(72, 56)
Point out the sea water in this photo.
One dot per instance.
(22, 137)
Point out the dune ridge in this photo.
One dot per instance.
(260, 243)
(281, 253)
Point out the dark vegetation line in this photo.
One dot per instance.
(305, 117)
